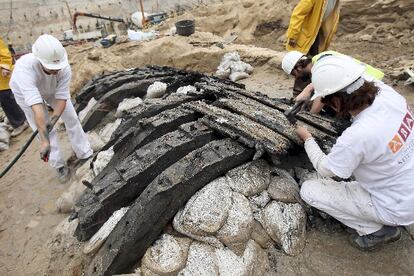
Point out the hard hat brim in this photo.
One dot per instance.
(290, 60)
(55, 66)
(357, 73)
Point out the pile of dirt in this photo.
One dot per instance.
(383, 25)
(255, 22)
(379, 32)
(198, 52)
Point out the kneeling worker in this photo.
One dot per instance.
(299, 65)
(377, 149)
(44, 75)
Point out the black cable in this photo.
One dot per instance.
(17, 157)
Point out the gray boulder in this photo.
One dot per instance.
(201, 261)
(285, 223)
(250, 179)
(205, 213)
(236, 232)
(260, 236)
(258, 202)
(167, 256)
(283, 187)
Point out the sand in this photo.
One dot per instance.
(379, 32)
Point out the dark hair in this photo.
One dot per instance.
(364, 96)
(304, 61)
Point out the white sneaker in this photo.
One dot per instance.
(19, 130)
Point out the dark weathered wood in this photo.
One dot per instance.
(127, 180)
(322, 123)
(99, 86)
(271, 118)
(161, 200)
(111, 100)
(252, 134)
(167, 149)
(148, 129)
(106, 83)
(149, 108)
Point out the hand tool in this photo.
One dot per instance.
(290, 113)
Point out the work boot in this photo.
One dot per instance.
(75, 162)
(63, 174)
(19, 130)
(386, 234)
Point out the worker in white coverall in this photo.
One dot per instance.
(377, 149)
(44, 76)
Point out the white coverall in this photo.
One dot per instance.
(30, 86)
(378, 150)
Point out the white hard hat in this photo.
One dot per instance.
(50, 52)
(334, 73)
(289, 61)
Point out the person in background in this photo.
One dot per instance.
(299, 65)
(44, 76)
(13, 112)
(377, 150)
(312, 26)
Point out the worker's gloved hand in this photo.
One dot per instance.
(303, 133)
(45, 151)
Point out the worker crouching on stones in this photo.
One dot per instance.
(44, 76)
(377, 149)
(300, 66)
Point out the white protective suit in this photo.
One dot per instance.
(378, 150)
(31, 85)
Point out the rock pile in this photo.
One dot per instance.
(233, 67)
(223, 228)
(197, 171)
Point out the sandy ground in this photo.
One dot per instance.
(330, 254)
(27, 210)
(28, 193)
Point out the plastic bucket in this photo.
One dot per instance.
(185, 27)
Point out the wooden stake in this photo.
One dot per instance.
(142, 11)
(71, 18)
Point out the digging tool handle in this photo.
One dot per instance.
(49, 128)
(290, 114)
